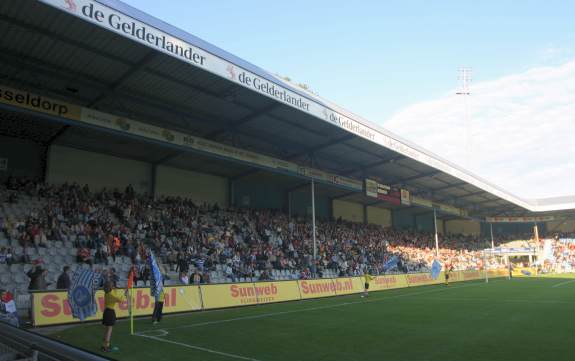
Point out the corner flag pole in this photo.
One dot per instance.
(131, 313)
(130, 300)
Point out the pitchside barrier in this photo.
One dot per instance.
(52, 308)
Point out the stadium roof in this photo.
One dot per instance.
(108, 56)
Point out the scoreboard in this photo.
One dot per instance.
(382, 191)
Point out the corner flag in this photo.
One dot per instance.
(130, 306)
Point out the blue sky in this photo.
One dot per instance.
(389, 60)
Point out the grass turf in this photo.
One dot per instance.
(521, 319)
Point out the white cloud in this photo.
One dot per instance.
(522, 129)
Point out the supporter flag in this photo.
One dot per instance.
(435, 269)
(390, 263)
(157, 284)
(82, 292)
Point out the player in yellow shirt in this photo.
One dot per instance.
(158, 307)
(112, 297)
(367, 279)
(448, 270)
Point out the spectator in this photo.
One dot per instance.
(184, 278)
(3, 255)
(197, 278)
(37, 277)
(84, 256)
(63, 282)
(8, 311)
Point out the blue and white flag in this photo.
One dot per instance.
(390, 263)
(82, 294)
(156, 284)
(435, 269)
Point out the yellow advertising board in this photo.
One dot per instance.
(317, 288)
(281, 291)
(346, 286)
(388, 282)
(38, 103)
(422, 279)
(473, 275)
(50, 308)
(497, 273)
(455, 276)
(524, 272)
(228, 295)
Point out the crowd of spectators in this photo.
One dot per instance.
(193, 239)
(561, 254)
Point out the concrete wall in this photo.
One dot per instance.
(199, 187)
(561, 226)
(97, 170)
(347, 211)
(259, 194)
(461, 226)
(25, 158)
(513, 229)
(424, 223)
(379, 216)
(301, 205)
(403, 219)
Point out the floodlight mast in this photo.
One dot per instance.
(464, 91)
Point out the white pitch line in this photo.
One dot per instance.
(231, 355)
(543, 302)
(562, 283)
(264, 315)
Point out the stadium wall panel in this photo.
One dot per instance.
(561, 226)
(379, 216)
(424, 222)
(97, 170)
(403, 219)
(259, 194)
(301, 205)
(348, 211)
(25, 158)
(458, 226)
(512, 229)
(199, 187)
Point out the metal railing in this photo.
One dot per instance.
(32, 346)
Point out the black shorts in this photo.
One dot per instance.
(366, 285)
(109, 317)
(446, 276)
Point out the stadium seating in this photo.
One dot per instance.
(49, 224)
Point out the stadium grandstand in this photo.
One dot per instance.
(121, 134)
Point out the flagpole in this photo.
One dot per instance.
(131, 313)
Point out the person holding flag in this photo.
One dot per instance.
(156, 288)
(112, 297)
(448, 269)
(367, 278)
(158, 307)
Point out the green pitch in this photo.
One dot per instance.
(521, 319)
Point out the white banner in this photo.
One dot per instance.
(528, 219)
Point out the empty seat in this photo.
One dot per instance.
(16, 268)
